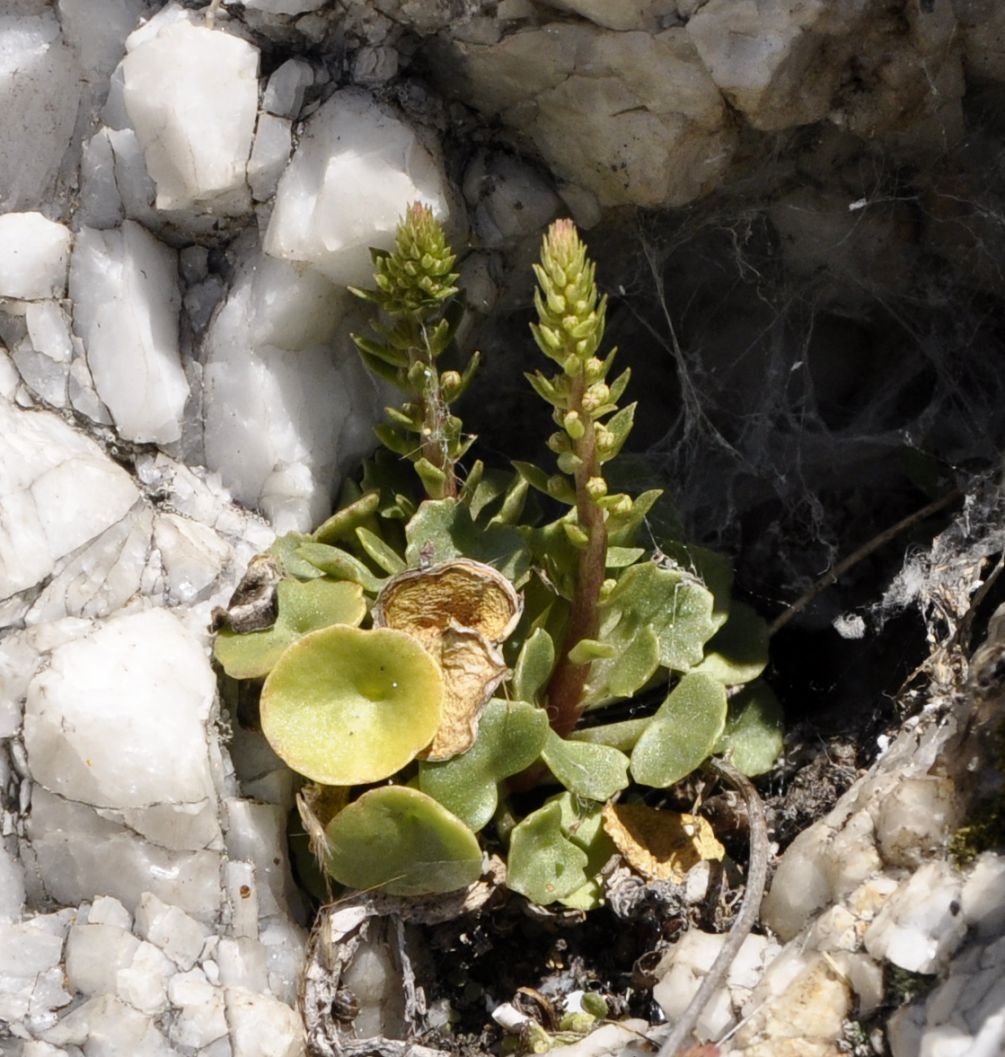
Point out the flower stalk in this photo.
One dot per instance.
(571, 319)
(416, 292)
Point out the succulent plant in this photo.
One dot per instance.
(497, 624)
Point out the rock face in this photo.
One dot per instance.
(794, 208)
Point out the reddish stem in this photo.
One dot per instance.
(568, 681)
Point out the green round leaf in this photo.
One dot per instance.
(544, 865)
(303, 607)
(682, 734)
(403, 842)
(511, 735)
(738, 652)
(347, 707)
(754, 729)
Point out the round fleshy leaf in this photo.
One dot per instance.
(682, 734)
(403, 842)
(754, 727)
(303, 607)
(347, 707)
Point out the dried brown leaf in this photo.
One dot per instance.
(660, 845)
(461, 592)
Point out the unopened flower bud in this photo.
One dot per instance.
(605, 439)
(573, 425)
(596, 488)
(593, 369)
(450, 383)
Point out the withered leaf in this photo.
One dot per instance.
(459, 611)
(660, 845)
(461, 592)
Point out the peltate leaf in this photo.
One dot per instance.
(403, 842)
(594, 771)
(303, 607)
(754, 727)
(510, 738)
(349, 707)
(682, 734)
(443, 529)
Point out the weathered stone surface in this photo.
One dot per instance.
(634, 118)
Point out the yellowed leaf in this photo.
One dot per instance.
(472, 668)
(660, 845)
(461, 592)
(459, 611)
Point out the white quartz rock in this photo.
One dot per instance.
(11, 886)
(193, 556)
(49, 330)
(106, 910)
(983, 895)
(94, 956)
(28, 951)
(119, 718)
(256, 833)
(269, 155)
(144, 982)
(262, 1026)
(356, 169)
(179, 936)
(191, 94)
(279, 424)
(295, 308)
(39, 93)
(687, 965)
(124, 285)
(102, 576)
(78, 854)
(284, 94)
(922, 924)
(108, 1027)
(34, 253)
(57, 491)
(201, 1019)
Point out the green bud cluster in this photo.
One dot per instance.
(571, 319)
(416, 293)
